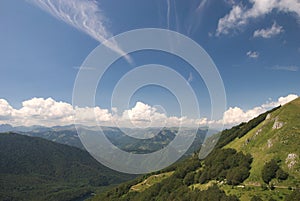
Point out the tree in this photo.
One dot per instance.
(189, 178)
(237, 175)
(269, 171)
(204, 177)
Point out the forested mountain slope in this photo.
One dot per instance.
(257, 160)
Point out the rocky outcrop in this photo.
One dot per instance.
(277, 124)
(270, 144)
(291, 160)
(268, 116)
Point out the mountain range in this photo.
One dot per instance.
(257, 160)
(41, 163)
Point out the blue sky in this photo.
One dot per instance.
(254, 44)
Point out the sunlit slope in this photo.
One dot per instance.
(233, 170)
(277, 137)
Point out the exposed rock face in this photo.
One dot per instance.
(291, 160)
(277, 124)
(257, 132)
(268, 116)
(270, 144)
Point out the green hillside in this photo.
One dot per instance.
(257, 160)
(278, 138)
(36, 169)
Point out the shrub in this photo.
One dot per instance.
(281, 175)
(269, 171)
(264, 187)
(189, 178)
(256, 198)
(294, 196)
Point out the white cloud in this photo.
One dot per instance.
(48, 112)
(84, 15)
(100, 115)
(39, 111)
(269, 32)
(252, 54)
(5, 110)
(142, 115)
(201, 5)
(231, 20)
(236, 115)
(281, 101)
(239, 15)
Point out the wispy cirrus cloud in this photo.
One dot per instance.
(201, 5)
(168, 13)
(286, 68)
(84, 15)
(240, 15)
(269, 32)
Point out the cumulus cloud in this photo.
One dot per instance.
(231, 20)
(269, 32)
(236, 115)
(281, 101)
(39, 111)
(252, 54)
(142, 115)
(48, 112)
(85, 16)
(241, 15)
(100, 115)
(5, 110)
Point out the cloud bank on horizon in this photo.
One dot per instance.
(85, 16)
(48, 112)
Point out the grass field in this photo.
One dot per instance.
(153, 179)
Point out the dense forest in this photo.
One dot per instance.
(36, 169)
